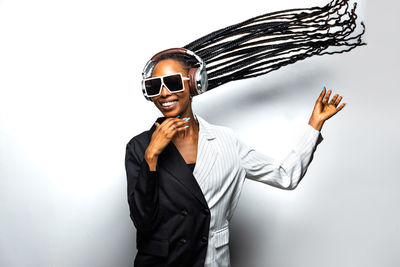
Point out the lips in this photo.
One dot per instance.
(168, 105)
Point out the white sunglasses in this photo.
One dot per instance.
(173, 82)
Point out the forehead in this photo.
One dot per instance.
(168, 66)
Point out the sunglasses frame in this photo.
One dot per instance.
(163, 84)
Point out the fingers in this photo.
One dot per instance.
(338, 101)
(176, 123)
(180, 125)
(340, 107)
(321, 95)
(172, 125)
(324, 96)
(327, 96)
(333, 100)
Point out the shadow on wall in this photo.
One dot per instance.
(238, 99)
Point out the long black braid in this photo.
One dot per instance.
(268, 42)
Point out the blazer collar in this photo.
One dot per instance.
(172, 161)
(205, 128)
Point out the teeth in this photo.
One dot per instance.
(167, 104)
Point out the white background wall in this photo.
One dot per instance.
(70, 100)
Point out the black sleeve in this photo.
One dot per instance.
(142, 190)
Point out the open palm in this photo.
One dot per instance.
(324, 109)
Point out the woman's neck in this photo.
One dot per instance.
(191, 132)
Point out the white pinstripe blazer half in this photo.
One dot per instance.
(224, 161)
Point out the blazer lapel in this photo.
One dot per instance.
(206, 152)
(172, 161)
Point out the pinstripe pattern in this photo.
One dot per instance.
(224, 161)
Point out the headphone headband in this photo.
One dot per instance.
(169, 51)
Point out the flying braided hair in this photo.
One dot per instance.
(268, 42)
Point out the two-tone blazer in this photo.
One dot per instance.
(182, 218)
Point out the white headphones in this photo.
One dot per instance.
(198, 82)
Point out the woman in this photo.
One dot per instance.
(184, 174)
(182, 217)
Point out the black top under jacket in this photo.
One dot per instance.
(167, 207)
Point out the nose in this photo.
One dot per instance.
(165, 92)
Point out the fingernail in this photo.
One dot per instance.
(186, 119)
(178, 116)
(187, 126)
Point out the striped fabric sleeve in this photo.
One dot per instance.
(285, 173)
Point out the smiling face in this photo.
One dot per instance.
(172, 104)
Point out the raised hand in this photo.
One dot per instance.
(161, 137)
(324, 109)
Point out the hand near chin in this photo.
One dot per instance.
(324, 109)
(161, 137)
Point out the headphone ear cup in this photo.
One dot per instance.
(192, 81)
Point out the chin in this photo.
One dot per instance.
(170, 113)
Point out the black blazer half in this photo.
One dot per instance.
(167, 207)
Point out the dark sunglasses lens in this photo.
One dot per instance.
(153, 86)
(173, 82)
